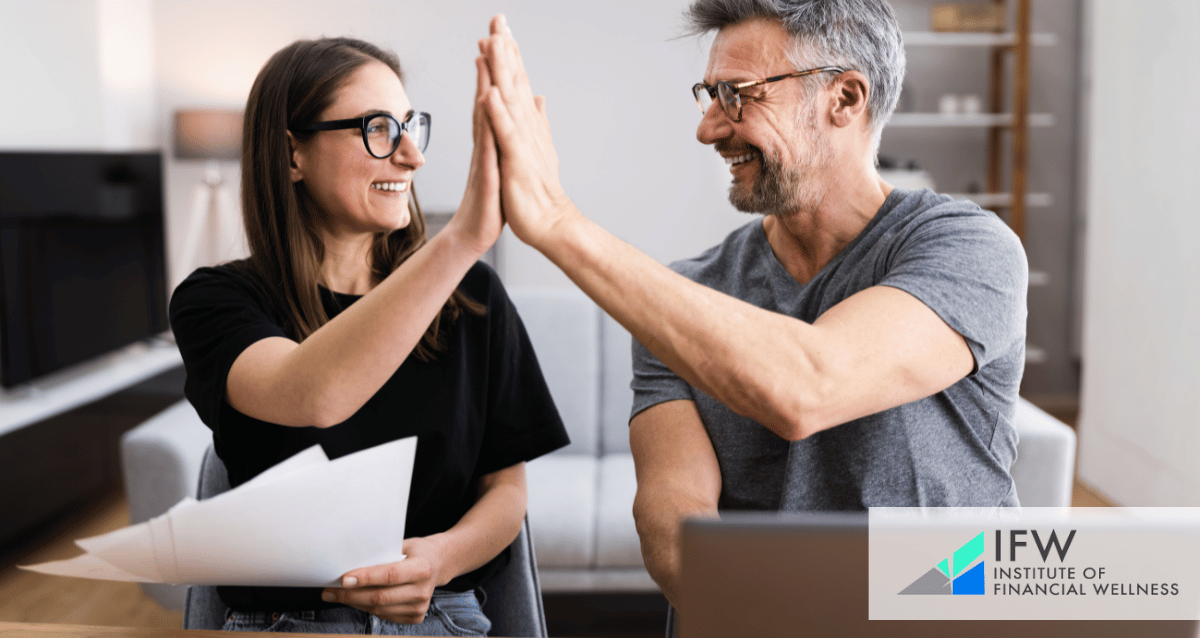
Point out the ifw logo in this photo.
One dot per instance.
(952, 576)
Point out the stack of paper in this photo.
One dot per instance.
(302, 523)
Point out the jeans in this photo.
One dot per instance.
(450, 614)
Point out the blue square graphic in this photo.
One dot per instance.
(970, 583)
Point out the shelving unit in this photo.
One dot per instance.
(84, 383)
(973, 120)
(1004, 200)
(995, 65)
(933, 38)
(1003, 114)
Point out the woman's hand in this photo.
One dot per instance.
(400, 591)
(479, 218)
(534, 201)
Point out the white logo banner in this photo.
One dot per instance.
(1034, 563)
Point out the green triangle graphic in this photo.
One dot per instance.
(944, 566)
(965, 555)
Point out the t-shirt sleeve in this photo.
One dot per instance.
(215, 316)
(971, 270)
(653, 382)
(522, 422)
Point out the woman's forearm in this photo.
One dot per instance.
(328, 377)
(487, 528)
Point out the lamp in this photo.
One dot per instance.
(212, 135)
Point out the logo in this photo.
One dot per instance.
(961, 581)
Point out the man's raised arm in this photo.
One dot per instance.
(876, 350)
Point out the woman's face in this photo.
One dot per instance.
(358, 193)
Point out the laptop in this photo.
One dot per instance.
(772, 575)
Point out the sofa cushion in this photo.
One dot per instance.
(616, 398)
(562, 509)
(564, 326)
(617, 543)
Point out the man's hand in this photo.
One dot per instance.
(534, 201)
(400, 591)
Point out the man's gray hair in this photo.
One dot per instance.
(860, 35)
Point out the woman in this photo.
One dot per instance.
(346, 328)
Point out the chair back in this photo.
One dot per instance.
(202, 608)
(513, 595)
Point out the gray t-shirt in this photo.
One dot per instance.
(950, 449)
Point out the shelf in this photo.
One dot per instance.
(977, 120)
(1004, 200)
(1035, 355)
(84, 383)
(966, 39)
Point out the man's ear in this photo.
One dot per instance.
(296, 158)
(851, 91)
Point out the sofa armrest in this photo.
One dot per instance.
(160, 464)
(1045, 467)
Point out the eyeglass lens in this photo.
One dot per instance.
(383, 133)
(729, 100)
(725, 92)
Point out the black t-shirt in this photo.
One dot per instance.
(480, 406)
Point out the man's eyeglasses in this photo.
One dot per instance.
(381, 132)
(731, 100)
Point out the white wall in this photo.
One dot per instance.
(51, 76)
(1140, 419)
(108, 74)
(617, 87)
(78, 75)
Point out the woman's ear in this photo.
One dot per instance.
(296, 158)
(851, 92)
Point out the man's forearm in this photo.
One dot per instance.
(702, 335)
(659, 526)
(879, 348)
(677, 476)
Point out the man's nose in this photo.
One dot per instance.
(714, 125)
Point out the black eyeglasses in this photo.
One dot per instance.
(731, 100)
(381, 132)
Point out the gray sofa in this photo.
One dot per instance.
(580, 497)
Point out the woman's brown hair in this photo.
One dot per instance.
(292, 90)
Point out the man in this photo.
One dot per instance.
(858, 345)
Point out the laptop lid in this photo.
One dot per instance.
(805, 574)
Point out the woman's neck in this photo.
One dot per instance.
(347, 264)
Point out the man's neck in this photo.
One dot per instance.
(805, 241)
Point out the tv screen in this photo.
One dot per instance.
(82, 264)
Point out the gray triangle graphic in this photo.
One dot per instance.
(934, 582)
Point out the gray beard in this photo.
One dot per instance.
(773, 191)
(780, 189)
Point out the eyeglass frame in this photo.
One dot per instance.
(361, 124)
(715, 89)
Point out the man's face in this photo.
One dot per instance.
(777, 153)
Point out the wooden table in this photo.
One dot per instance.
(48, 630)
(45, 630)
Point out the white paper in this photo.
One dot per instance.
(302, 523)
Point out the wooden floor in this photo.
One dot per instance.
(37, 598)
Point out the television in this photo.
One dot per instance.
(82, 258)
